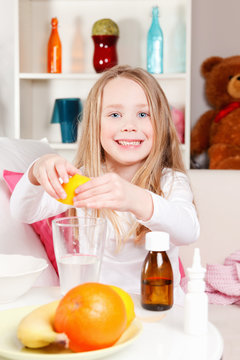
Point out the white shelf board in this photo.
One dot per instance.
(66, 76)
(96, 2)
(64, 146)
(87, 76)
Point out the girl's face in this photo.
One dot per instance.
(126, 128)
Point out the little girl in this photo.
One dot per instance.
(130, 149)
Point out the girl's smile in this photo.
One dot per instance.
(126, 127)
(126, 143)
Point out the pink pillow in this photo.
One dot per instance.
(44, 227)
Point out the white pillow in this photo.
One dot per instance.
(16, 237)
(17, 154)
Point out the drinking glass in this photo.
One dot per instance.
(78, 246)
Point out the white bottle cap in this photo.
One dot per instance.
(196, 274)
(157, 241)
(196, 271)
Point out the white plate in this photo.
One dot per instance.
(11, 348)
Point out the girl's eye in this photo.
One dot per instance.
(114, 115)
(142, 114)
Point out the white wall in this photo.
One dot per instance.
(217, 198)
(215, 32)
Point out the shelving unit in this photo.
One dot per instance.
(36, 90)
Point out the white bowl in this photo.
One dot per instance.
(18, 274)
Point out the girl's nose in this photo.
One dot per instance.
(128, 126)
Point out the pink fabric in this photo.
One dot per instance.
(179, 122)
(222, 281)
(44, 227)
(181, 268)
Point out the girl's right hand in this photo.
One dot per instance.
(48, 170)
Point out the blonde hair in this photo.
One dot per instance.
(165, 152)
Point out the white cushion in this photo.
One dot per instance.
(17, 155)
(16, 237)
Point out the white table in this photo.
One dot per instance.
(163, 340)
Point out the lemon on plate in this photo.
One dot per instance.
(128, 302)
(74, 181)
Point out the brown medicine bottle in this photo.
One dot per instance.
(54, 50)
(157, 274)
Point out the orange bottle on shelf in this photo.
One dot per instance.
(54, 49)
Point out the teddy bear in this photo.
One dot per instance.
(217, 131)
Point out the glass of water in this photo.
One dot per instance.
(78, 246)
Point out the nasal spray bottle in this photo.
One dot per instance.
(196, 300)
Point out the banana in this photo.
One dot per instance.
(35, 330)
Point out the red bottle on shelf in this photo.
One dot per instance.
(105, 34)
(54, 49)
(105, 52)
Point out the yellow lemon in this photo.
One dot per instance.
(70, 187)
(128, 302)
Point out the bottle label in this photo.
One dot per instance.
(157, 293)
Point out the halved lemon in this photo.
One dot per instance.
(74, 181)
(128, 302)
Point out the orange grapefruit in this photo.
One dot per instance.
(92, 315)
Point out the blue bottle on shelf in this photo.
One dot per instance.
(155, 45)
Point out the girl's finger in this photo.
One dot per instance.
(98, 200)
(72, 170)
(62, 172)
(97, 203)
(94, 183)
(91, 191)
(44, 181)
(65, 169)
(53, 180)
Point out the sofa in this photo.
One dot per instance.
(15, 237)
(217, 198)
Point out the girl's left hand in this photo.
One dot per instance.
(113, 192)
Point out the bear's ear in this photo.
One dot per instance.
(209, 64)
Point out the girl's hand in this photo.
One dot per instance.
(46, 172)
(113, 192)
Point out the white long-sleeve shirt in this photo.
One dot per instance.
(174, 213)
